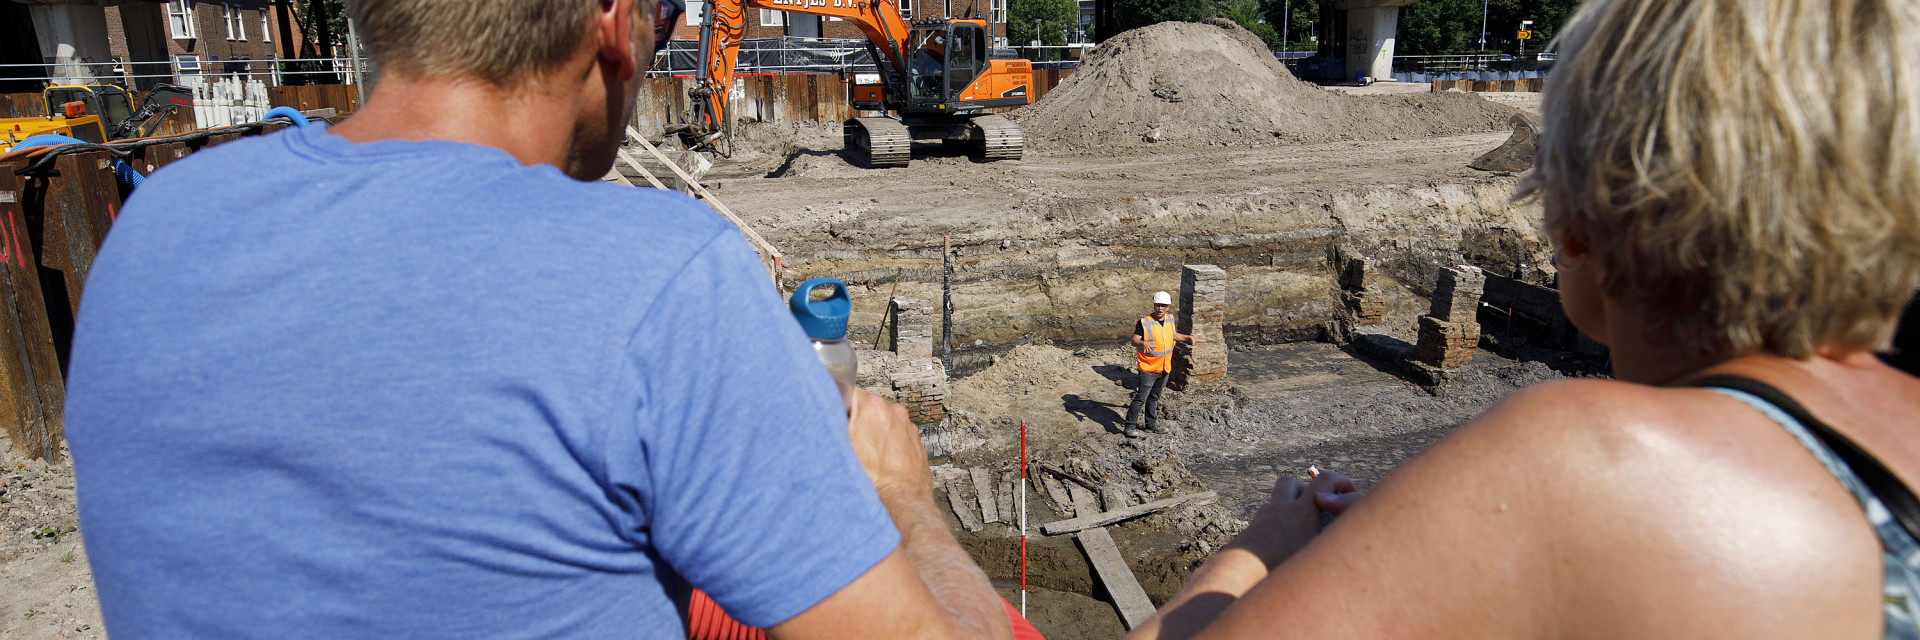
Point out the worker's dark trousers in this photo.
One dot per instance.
(1147, 394)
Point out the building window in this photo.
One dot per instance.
(236, 27)
(773, 18)
(180, 18)
(186, 65)
(266, 26)
(906, 10)
(695, 9)
(999, 11)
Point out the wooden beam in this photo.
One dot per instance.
(961, 508)
(1113, 572)
(635, 163)
(1105, 518)
(712, 201)
(982, 487)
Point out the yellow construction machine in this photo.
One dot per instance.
(94, 113)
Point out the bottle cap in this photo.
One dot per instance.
(822, 319)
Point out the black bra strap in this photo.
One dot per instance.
(1887, 487)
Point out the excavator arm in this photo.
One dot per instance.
(725, 26)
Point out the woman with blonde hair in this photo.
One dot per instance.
(1732, 188)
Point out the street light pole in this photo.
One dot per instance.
(1286, 20)
(1483, 25)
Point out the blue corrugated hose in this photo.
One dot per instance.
(290, 113)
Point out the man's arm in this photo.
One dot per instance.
(1139, 337)
(929, 587)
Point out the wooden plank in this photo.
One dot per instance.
(1057, 493)
(1009, 511)
(983, 487)
(1084, 504)
(1135, 607)
(1109, 517)
(32, 394)
(962, 508)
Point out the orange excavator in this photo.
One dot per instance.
(936, 81)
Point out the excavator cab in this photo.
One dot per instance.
(950, 57)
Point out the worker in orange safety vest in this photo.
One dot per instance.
(1153, 339)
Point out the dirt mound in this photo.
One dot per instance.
(1192, 84)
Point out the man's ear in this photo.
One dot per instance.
(615, 27)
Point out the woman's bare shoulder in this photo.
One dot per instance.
(1674, 495)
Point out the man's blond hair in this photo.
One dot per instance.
(503, 42)
(1749, 169)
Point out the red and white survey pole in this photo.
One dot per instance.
(1023, 518)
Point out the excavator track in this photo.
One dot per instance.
(884, 142)
(1002, 137)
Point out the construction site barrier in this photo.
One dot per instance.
(805, 97)
(1532, 85)
(51, 225)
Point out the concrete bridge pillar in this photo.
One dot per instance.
(1371, 26)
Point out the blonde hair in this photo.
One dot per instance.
(1749, 169)
(502, 42)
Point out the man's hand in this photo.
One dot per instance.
(888, 445)
(930, 588)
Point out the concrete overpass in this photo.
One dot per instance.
(1367, 33)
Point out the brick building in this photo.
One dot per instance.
(769, 23)
(183, 37)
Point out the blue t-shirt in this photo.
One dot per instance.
(417, 389)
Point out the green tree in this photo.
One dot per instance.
(1057, 18)
(1133, 14)
(1249, 14)
(1433, 27)
(1299, 17)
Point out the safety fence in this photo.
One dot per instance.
(795, 55)
(818, 97)
(54, 214)
(1533, 85)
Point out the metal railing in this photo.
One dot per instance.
(782, 55)
(1446, 63)
(272, 71)
(824, 55)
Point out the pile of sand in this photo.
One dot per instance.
(1194, 84)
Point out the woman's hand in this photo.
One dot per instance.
(1292, 516)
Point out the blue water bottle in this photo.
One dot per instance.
(825, 322)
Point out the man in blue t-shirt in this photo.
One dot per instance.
(412, 377)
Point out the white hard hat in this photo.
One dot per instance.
(1162, 297)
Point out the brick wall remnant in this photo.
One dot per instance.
(922, 387)
(918, 381)
(912, 328)
(1456, 297)
(1203, 315)
(1450, 331)
(1363, 297)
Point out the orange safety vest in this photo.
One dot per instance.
(1159, 338)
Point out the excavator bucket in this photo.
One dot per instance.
(1516, 154)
